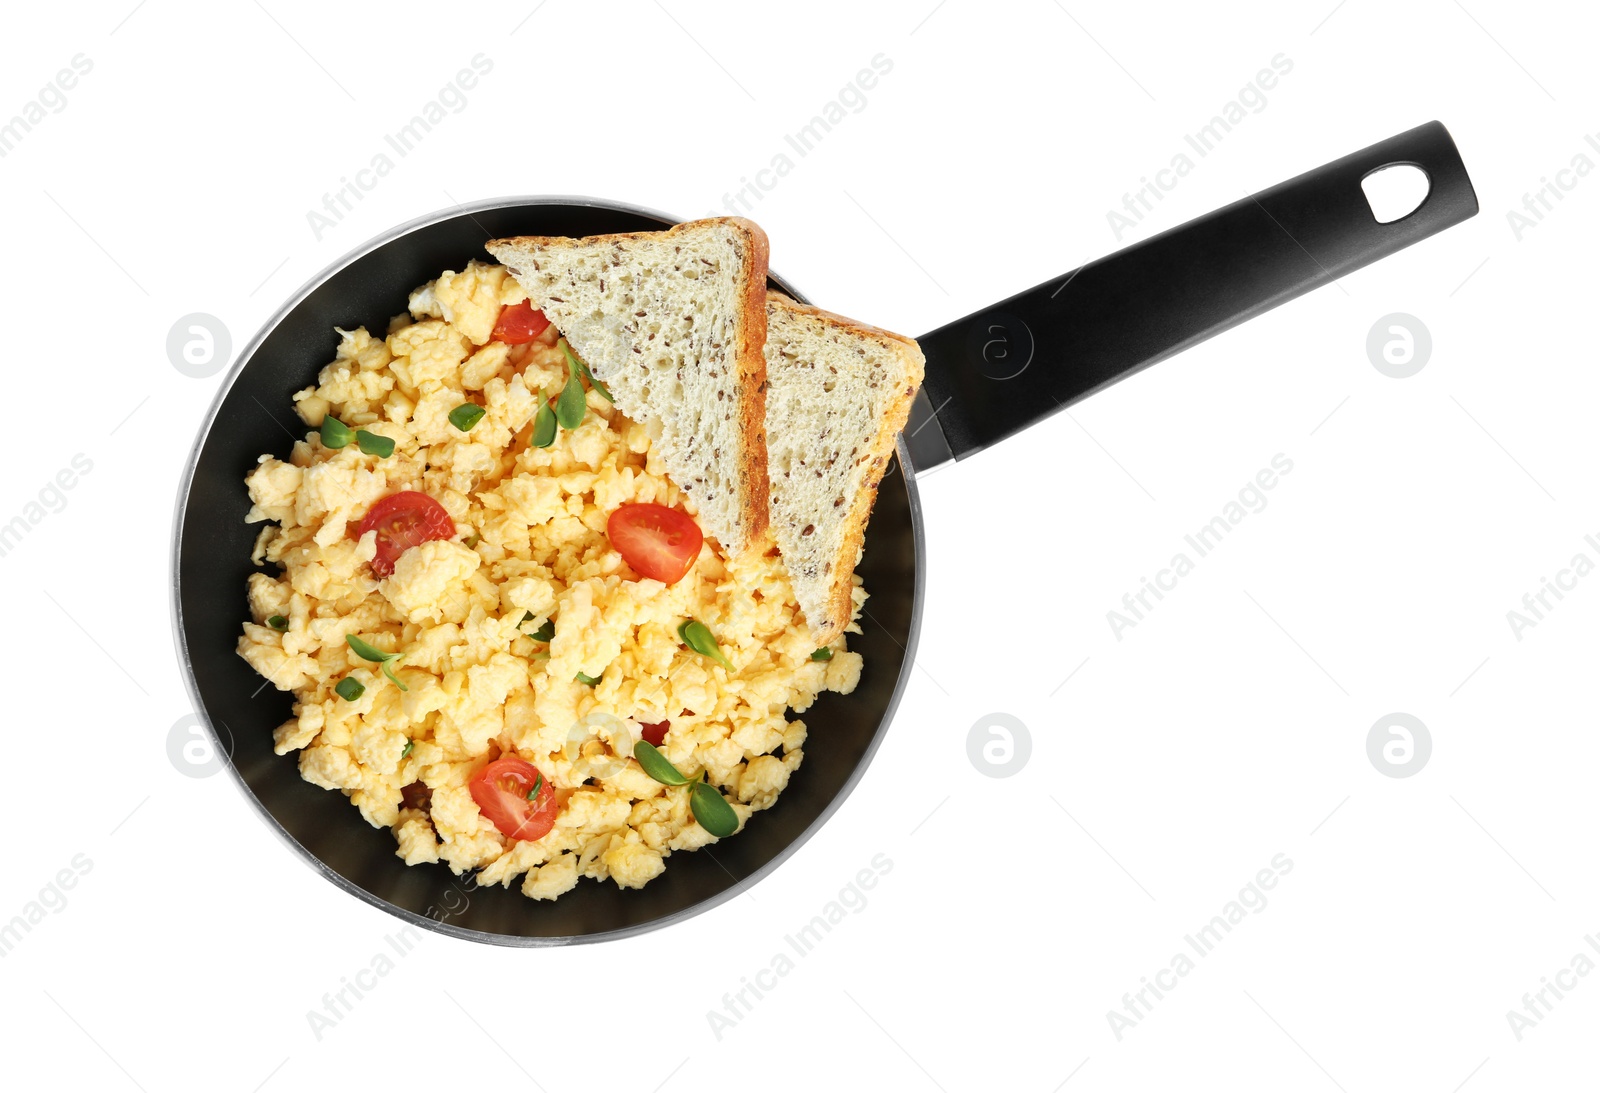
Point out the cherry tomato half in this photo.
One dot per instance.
(654, 732)
(501, 790)
(519, 323)
(404, 520)
(658, 542)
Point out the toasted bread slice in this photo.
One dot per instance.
(672, 323)
(838, 392)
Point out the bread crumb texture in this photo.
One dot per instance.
(660, 318)
(838, 392)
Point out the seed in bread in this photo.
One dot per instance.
(672, 323)
(838, 392)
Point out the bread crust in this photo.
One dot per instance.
(750, 361)
(841, 601)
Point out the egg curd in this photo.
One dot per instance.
(530, 545)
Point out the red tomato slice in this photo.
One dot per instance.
(519, 323)
(656, 732)
(658, 542)
(404, 520)
(501, 790)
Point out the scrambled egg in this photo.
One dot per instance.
(530, 541)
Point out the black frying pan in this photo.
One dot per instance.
(988, 375)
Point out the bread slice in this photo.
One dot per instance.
(672, 323)
(838, 392)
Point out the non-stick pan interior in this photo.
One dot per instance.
(213, 563)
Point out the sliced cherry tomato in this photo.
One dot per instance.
(656, 732)
(501, 790)
(658, 542)
(404, 520)
(519, 323)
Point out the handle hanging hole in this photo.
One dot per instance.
(1395, 191)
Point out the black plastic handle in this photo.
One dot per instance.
(1005, 368)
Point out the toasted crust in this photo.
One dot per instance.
(750, 359)
(753, 383)
(841, 603)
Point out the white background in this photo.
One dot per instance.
(1227, 727)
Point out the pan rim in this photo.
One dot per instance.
(192, 684)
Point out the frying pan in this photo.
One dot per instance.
(988, 375)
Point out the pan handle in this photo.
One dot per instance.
(1009, 366)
